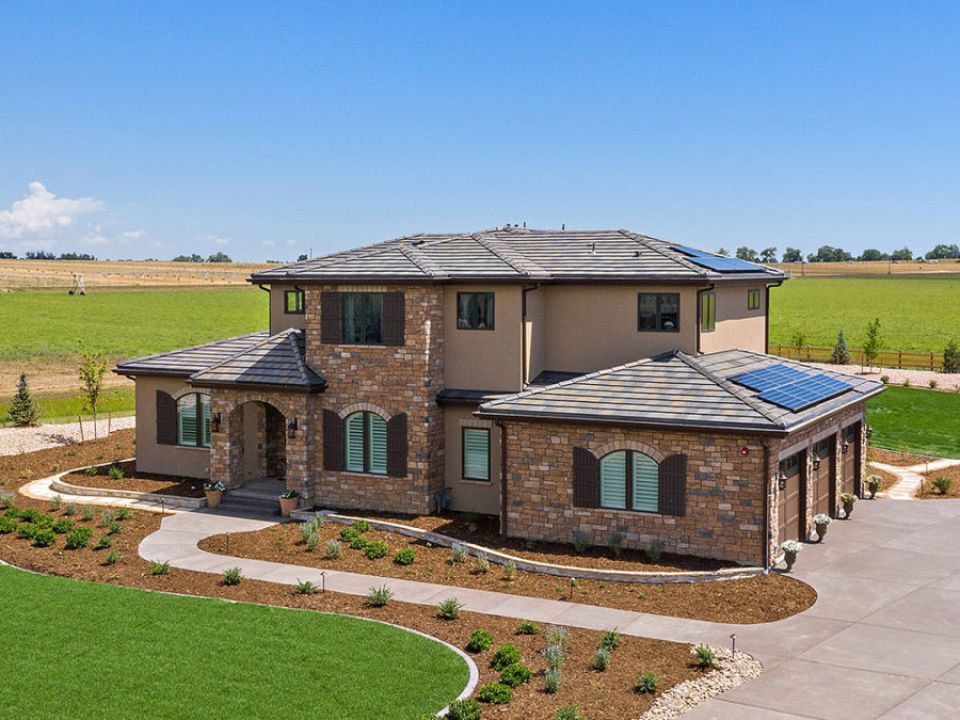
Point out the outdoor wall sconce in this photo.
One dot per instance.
(215, 423)
(816, 463)
(782, 480)
(292, 428)
(869, 431)
(844, 446)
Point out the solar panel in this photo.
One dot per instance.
(769, 377)
(716, 262)
(802, 393)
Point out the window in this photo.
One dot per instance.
(362, 320)
(629, 480)
(193, 420)
(366, 443)
(753, 299)
(659, 312)
(708, 311)
(476, 453)
(293, 302)
(475, 311)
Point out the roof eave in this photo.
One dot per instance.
(860, 397)
(312, 388)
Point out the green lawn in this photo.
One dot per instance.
(80, 650)
(64, 407)
(125, 323)
(917, 314)
(921, 421)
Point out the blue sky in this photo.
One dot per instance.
(267, 129)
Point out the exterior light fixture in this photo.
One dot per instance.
(215, 423)
(782, 480)
(816, 463)
(844, 446)
(869, 431)
(292, 428)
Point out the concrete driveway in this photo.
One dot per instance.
(883, 639)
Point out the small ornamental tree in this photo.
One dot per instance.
(24, 410)
(951, 357)
(840, 354)
(91, 371)
(871, 346)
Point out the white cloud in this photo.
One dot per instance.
(268, 243)
(220, 241)
(290, 242)
(215, 239)
(42, 211)
(126, 237)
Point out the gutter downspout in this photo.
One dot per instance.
(767, 489)
(766, 323)
(503, 477)
(700, 292)
(524, 379)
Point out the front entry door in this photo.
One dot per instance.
(790, 497)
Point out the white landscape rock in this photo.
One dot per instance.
(14, 440)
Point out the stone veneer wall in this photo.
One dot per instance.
(724, 497)
(389, 380)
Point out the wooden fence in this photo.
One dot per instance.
(885, 358)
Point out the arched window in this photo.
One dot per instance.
(629, 480)
(193, 420)
(366, 443)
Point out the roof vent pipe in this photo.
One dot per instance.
(593, 249)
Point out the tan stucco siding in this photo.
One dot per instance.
(470, 495)
(591, 328)
(279, 319)
(736, 326)
(164, 459)
(535, 330)
(484, 359)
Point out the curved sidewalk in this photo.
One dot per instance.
(882, 640)
(911, 477)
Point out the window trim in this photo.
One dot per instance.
(753, 298)
(199, 420)
(658, 296)
(343, 311)
(301, 303)
(366, 447)
(628, 483)
(708, 315)
(463, 455)
(493, 308)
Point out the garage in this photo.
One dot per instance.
(791, 497)
(823, 476)
(850, 466)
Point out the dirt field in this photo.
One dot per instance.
(881, 267)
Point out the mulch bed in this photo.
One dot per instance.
(139, 482)
(607, 695)
(929, 492)
(894, 457)
(752, 600)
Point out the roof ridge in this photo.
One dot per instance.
(512, 257)
(305, 370)
(193, 347)
(233, 357)
(422, 261)
(672, 255)
(736, 390)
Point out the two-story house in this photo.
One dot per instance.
(566, 381)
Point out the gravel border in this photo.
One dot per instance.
(15, 440)
(679, 699)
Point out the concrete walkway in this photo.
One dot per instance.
(911, 476)
(882, 640)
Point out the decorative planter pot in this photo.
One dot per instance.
(848, 509)
(821, 531)
(213, 498)
(789, 558)
(288, 505)
(873, 492)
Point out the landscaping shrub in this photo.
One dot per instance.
(7, 525)
(112, 558)
(528, 627)
(655, 550)
(450, 608)
(569, 712)
(580, 543)
(906, 383)
(103, 543)
(942, 485)
(124, 513)
(232, 576)
(494, 693)
(43, 520)
(361, 526)
(615, 542)
(91, 471)
(333, 549)
(305, 587)
(510, 571)
(29, 515)
(88, 512)
(379, 596)
(159, 568)
(106, 517)
(481, 565)
(466, 709)
(56, 504)
(648, 683)
(6, 499)
(115, 472)
(551, 680)
(840, 354)
(611, 640)
(480, 640)
(932, 383)
(70, 509)
(12, 512)
(706, 657)
(515, 674)
(62, 527)
(601, 659)
(78, 538)
(951, 357)
(24, 410)
(885, 379)
(554, 655)
(313, 542)
(458, 553)
(405, 557)
(306, 530)
(506, 654)
(44, 537)
(375, 550)
(115, 528)
(558, 635)
(26, 530)
(350, 534)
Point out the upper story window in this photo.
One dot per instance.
(475, 311)
(362, 322)
(708, 311)
(366, 443)
(293, 302)
(753, 299)
(659, 312)
(193, 420)
(629, 480)
(362, 318)
(476, 454)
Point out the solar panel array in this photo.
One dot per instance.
(790, 388)
(716, 262)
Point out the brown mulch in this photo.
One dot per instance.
(484, 530)
(751, 600)
(894, 457)
(928, 492)
(887, 480)
(601, 696)
(15, 470)
(139, 482)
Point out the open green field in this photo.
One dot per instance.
(125, 323)
(83, 650)
(917, 313)
(921, 421)
(64, 407)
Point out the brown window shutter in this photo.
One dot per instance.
(397, 446)
(333, 442)
(673, 485)
(166, 419)
(586, 479)
(331, 313)
(393, 321)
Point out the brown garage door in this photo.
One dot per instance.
(790, 497)
(823, 476)
(851, 459)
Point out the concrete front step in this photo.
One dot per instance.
(248, 506)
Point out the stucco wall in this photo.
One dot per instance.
(535, 329)
(470, 495)
(280, 320)
(164, 459)
(483, 359)
(736, 326)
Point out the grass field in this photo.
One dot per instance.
(64, 407)
(125, 323)
(920, 421)
(93, 651)
(916, 313)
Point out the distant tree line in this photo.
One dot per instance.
(828, 253)
(218, 257)
(41, 255)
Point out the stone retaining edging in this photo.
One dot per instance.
(536, 566)
(61, 487)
